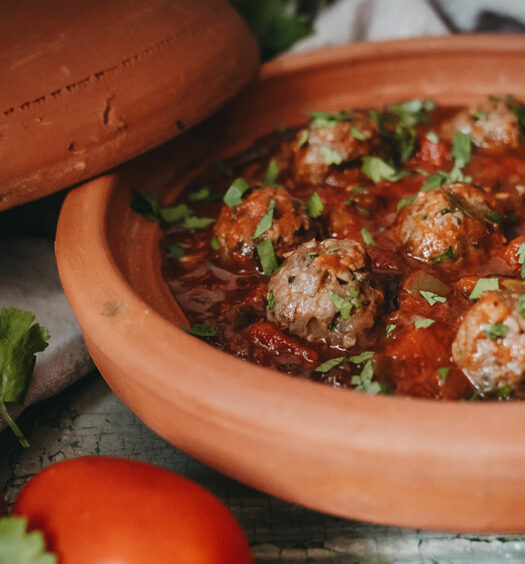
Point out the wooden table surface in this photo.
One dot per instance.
(88, 419)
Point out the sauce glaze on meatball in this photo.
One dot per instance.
(316, 277)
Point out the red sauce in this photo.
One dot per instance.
(232, 296)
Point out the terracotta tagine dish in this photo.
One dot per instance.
(445, 465)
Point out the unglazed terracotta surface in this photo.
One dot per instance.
(439, 465)
(88, 85)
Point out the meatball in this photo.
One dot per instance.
(492, 125)
(445, 223)
(236, 226)
(324, 294)
(490, 342)
(332, 142)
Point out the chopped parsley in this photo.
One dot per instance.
(214, 243)
(364, 381)
(435, 181)
(267, 257)
(326, 119)
(521, 259)
(314, 206)
(389, 328)
(447, 255)
(461, 149)
(404, 141)
(495, 217)
(432, 298)
(483, 285)
(175, 250)
(423, 323)
(270, 299)
(193, 223)
(18, 546)
(495, 330)
(377, 169)
(20, 340)
(367, 238)
(303, 139)
(478, 116)
(357, 134)
(343, 306)
(235, 192)
(331, 157)
(505, 392)
(412, 112)
(149, 207)
(329, 364)
(432, 137)
(443, 372)
(266, 220)
(204, 194)
(362, 357)
(272, 173)
(405, 201)
(521, 306)
(176, 213)
(201, 330)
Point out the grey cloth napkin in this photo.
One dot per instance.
(28, 275)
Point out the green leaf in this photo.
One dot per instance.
(193, 223)
(412, 112)
(357, 134)
(326, 119)
(435, 181)
(331, 157)
(314, 206)
(406, 201)
(367, 238)
(494, 217)
(214, 243)
(266, 220)
(234, 194)
(521, 259)
(204, 194)
(276, 24)
(521, 306)
(389, 328)
(461, 148)
(478, 116)
(432, 298)
(364, 381)
(447, 255)
(344, 307)
(495, 330)
(270, 299)
(443, 372)
(432, 137)
(377, 169)
(17, 546)
(483, 285)
(423, 323)
(176, 213)
(201, 330)
(175, 250)
(303, 139)
(329, 364)
(267, 257)
(146, 205)
(361, 357)
(404, 141)
(272, 173)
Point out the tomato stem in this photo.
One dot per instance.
(14, 427)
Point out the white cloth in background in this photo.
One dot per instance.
(28, 276)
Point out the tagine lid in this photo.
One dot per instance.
(89, 85)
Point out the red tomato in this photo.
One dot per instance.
(100, 510)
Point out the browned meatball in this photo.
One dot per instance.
(324, 293)
(490, 343)
(236, 226)
(492, 125)
(445, 223)
(320, 146)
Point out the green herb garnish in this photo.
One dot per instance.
(201, 330)
(214, 243)
(20, 340)
(235, 192)
(357, 134)
(423, 323)
(329, 364)
(432, 137)
(461, 149)
(377, 169)
(432, 298)
(175, 213)
(331, 157)
(267, 257)
(193, 223)
(478, 116)
(270, 300)
(483, 285)
(494, 217)
(521, 259)
(344, 307)
(364, 381)
(405, 201)
(443, 372)
(521, 306)
(266, 220)
(447, 255)
(412, 112)
(362, 357)
(204, 194)
(367, 238)
(17, 546)
(496, 330)
(303, 139)
(326, 119)
(175, 250)
(389, 328)
(272, 173)
(314, 206)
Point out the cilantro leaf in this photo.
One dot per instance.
(404, 141)
(201, 330)
(344, 307)
(194, 222)
(447, 255)
(377, 169)
(496, 330)
(521, 259)
(435, 181)
(146, 205)
(314, 206)
(272, 173)
(357, 134)
(176, 213)
(267, 257)
(214, 243)
(266, 220)
(461, 149)
(20, 340)
(432, 298)
(423, 323)
(326, 119)
(17, 546)
(331, 157)
(303, 139)
(521, 306)
(412, 112)
(405, 201)
(204, 194)
(270, 299)
(389, 328)
(329, 364)
(234, 194)
(482, 285)
(443, 372)
(175, 250)
(367, 238)
(432, 137)
(362, 357)
(363, 381)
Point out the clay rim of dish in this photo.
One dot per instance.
(438, 436)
